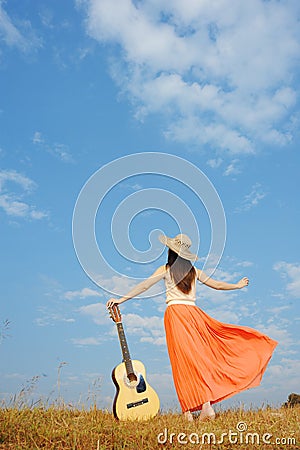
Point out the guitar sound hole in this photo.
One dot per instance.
(132, 377)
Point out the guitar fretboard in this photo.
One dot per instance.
(125, 350)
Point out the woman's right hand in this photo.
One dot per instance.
(243, 283)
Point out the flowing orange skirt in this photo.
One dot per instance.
(212, 360)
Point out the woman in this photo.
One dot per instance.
(210, 360)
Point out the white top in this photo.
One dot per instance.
(175, 295)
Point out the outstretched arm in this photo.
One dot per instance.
(139, 288)
(221, 285)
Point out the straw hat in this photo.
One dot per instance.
(180, 244)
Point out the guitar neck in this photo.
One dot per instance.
(125, 350)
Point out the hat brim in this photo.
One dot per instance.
(185, 254)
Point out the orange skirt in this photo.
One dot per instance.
(212, 360)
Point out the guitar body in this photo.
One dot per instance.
(134, 400)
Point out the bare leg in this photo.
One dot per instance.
(207, 412)
(188, 416)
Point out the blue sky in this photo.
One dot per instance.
(86, 82)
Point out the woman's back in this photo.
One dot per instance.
(174, 293)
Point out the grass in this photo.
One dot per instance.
(59, 427)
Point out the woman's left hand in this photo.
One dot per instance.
(243, 282)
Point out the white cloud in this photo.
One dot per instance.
(284, 376)
(51, 318)
(279, 334)
(149, 329)
(225, 306)
(164, 386)
(278, 310)
(121, 285)
(291, 273)
(23, 38)
(225, 275)
(214, 163)
(232, 169)
(60, 151)
(224, 314)
(97, 311)
(15, 375)
(13, 176)
(12, 201)
(117, 284)
(83, 293)
(245, 264)
(83, 52)
(154, 340)
(9, 32)
(252, 199)
(192, 129)
(46, 17)
(37, 138)
(220, 73)
(13, 207)
(87, 341)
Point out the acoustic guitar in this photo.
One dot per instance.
(135, 399)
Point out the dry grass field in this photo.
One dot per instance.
(65, 428)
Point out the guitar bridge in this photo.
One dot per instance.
(134, 404)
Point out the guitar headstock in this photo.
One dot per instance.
(115, 314)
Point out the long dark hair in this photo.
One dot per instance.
(183, 272)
